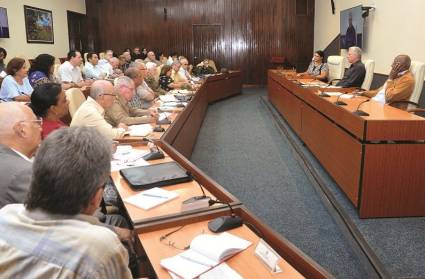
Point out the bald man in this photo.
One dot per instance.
(20, 135)
(399, 85)
(91, 113)
(152, 58)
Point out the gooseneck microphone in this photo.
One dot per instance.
(360, 112)
(154, 153)
(196, 202)
(224, 223)
(338, 102)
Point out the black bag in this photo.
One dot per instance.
(158, 175)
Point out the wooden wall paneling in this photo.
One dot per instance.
(252, 31)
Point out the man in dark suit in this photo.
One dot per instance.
(355, 75)
(20, 135)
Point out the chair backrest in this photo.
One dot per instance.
(85, 56)
(370, 67)
(336, 67)
(75, 98)
(56, 71)
(418, 70)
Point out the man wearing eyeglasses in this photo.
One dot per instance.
(20, 135)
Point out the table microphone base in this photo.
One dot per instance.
(224, 223)
(360, 113)
(194, 203)
(339, 103)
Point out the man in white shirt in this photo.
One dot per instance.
(20, 135)
(69, 72)
(91, 113)
(92, 70)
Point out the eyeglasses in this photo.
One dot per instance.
(107, 94)
(163, 239)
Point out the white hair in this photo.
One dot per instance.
(150, 65)
(357, 51)
(122, 81)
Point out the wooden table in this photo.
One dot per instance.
(376, 160)
(294, 263)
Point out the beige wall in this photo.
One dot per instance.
(396, 26)
(17, 43)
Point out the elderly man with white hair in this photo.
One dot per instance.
(144, 97)
(91, 113)
(120, 111)
(355, 75)
(20, 135)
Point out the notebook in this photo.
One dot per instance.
(157, 175)
(206, 251)
(151, 198)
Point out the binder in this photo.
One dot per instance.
(158, 175)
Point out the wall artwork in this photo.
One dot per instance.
(38, 25)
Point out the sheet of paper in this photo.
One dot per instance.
(151, 198)
(222, 271)
(167, 98)
(127, 157)
(141, 130)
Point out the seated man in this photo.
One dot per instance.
(185, 68)
(151, 79)
(20, 135)
(203, 68)
(92, 69)
(126, 61)
(69, 72)
(175, 73)
(152, 58)
(355, 75)
(399, 85)
(143, 99)
(120, 111)
(54, 234)
(91, 112)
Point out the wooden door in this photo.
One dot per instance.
(77, 32)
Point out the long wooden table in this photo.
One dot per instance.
(376, 160)
(177, 143)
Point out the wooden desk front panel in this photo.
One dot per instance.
(336, 150)
(188, 133)
(286, 103)
(393, 181)
(224, 86)
(245, 263)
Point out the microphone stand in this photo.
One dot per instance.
(196, 202)
(155, 153)
(360, 112)
(338, 102)
(224, 223)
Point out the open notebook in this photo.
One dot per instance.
(206, 251)
(151, 198)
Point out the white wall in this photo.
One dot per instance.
(395, 27)
(17, 44)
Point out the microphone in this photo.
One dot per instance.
(338, 102)
(196, 202)
(360, 112)
(324, 94)
(224, 223)
(155, 153)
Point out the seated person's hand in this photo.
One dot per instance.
(153, 112)
(123, 126)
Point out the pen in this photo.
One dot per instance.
(194, 261)
(154, 196)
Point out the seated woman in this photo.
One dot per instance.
(317, 68)
(41, 70)
(16, 86)
(48, 101)
(166, 82)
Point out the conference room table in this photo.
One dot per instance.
(376, 159)
(177, 142)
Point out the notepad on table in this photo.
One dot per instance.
(151, 198)
(206, 252)
(168, 98)
(141, 130)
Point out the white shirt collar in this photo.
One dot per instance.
(23, 156)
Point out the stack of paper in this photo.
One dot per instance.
(141, 130)
(127, 157)
(151, 198)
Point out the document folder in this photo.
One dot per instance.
(158, 175)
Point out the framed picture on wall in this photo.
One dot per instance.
(39, 25)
